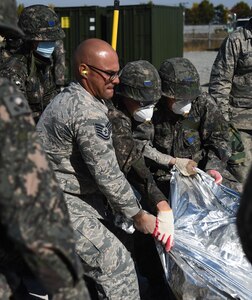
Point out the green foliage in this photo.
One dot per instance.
(205, 13)
(201, 13)
(221, 14)
(242, 10)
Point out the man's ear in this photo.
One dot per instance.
(83, 70)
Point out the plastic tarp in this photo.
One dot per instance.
(207, 261)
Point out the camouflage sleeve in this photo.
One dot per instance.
(214, 133)
(131, 158)
(222, 74)
(156, 156)
(32, 207)
(95, 143)
(15, 70)
(141, 178)
(59, 63)
(124, 145)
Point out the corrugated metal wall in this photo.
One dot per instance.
(79, 23)
(167, 33)
(150, 32)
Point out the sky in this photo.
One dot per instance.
(188, 4)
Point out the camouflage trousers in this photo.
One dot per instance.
(242, 119)
(246, 136)
(105, 258)
(240, 171)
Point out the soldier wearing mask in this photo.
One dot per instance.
(37, 241)
(189, 124)
(30, 67)
(136, 95)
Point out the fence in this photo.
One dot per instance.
(203, 37)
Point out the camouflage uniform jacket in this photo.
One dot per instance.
(202, 136)
(36, 235)
(231, 75)
(59, 63)
(131, 158)
(76, 135)
(33, 77)
(143, 134)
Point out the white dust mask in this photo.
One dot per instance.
(181, 107)
(45, 49)
(143, 114)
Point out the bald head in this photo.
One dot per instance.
(96, 67)
(93, 52)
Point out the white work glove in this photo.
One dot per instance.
(186, 166)
(164, 230)
(216, 175)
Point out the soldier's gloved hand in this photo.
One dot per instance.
(216, 175)
(144, 222)
(186, 166)
(164, 230)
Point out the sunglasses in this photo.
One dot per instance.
(112, 75)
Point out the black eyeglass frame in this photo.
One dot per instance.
(112, 75)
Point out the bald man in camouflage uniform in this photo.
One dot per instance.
(31, 66)
(36, 236)
(230, 86)
(76, 135)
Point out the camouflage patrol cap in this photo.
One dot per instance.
(140, 81)
(40, 23)
(180, 79)
(8, 19)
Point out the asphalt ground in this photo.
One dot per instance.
(203, 61)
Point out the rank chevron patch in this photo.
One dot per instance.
(103, 131)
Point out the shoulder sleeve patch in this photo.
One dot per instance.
(16, 105)
(103, 131)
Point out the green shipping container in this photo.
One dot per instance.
(79, 23)
(150, 32)
(146, 31)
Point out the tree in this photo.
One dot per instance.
(242, 10)
(220, 14)
(192, 15)
(206, 12)
(200, 14)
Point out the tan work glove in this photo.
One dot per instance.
(186, 166)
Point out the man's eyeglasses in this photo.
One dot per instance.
(112, 75)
